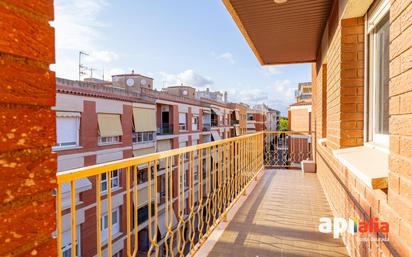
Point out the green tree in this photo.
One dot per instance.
(283, 124)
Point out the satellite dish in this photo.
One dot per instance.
(130, 82)
(143, 82)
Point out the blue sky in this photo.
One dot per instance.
(181, 41)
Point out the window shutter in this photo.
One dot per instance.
(182, 117)
(67, 128)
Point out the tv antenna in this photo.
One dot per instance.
(82, 68)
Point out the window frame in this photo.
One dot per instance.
(195, 122)
(111, 140)
(139, 137)
(104, 232)
(112, 178)
(373, 20)
(183, 125)
(68, 247)
(58, 145)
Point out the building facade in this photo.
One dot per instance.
(99, 122)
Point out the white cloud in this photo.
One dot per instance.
(78, 28)
(103, 56)
(278, 95)
(226, 56)
(187, 77)
(273, 70)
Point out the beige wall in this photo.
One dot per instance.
(299, 119)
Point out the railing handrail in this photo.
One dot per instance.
(205, 191)
(84, 172)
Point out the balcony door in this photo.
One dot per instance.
(165, 118)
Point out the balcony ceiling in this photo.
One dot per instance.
(281, 33)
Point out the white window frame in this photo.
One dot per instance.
(110, 140)
(60, 146)
(143, 137)
(115, 180)
(195, 122)
(182, 125)
(373, 19)
(104, 226)
(68, 247)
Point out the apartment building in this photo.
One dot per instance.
(262, 118)
(304, 92)
(100, 122)
(238, 119)
(96, 124)
(212, 95)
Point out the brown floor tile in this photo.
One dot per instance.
(280, 218)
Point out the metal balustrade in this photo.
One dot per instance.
(200, 185)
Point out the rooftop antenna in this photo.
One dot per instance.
(82, 68)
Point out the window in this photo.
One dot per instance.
(182, 121)
(118, 254)
(143, 137)
(378, 77)
(195, 122)
(67, 129)
(104, 224)
(67, 243)
(109, 140)
(182, 144)
(115, 178)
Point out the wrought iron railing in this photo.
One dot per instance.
(287, 149)
(181, 222)
(165, 129)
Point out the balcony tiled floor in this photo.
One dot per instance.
(280, 218)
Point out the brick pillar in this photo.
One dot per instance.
(27, 129)
(175, 119)
(189, 120)
(352, 87)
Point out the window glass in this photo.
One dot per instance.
(382, 77)
(378, 111)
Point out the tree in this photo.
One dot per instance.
(283, 124)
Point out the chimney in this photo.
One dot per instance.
(207, 90)
(225, 97)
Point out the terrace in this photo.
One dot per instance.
(233, 197)
(252, 174)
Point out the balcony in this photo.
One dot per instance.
(279, 217)
(206, 127)
(165, 129)
(234, 122)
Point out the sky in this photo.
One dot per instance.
(182, 41)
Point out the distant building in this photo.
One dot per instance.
(212, 95)
(262, 118)
(304, 92)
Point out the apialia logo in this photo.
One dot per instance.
(338, 226)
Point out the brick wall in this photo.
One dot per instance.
(333, 94)
(342, 55)
(27, 129)
(400, 125)
(300, 119)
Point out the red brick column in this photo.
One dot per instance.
(351, 91)
(27, 129)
